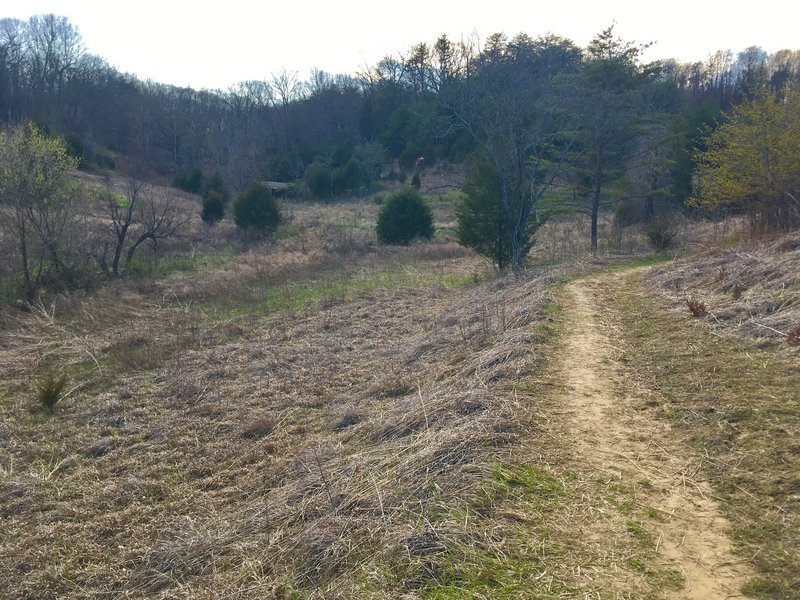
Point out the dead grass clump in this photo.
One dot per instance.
(136, 352)
(696, 307)
(186, 392)
(424, 543)
(393, 386)
(259, 427)
(323, 553)
(472, 402)
(348, 419)
(433, 251)
(187, 549)
(374, 425)
(789, 244)
(793, 337)
(101, 447)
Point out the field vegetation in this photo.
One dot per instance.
(319, 415)
(510, 321)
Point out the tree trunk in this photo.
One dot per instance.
(598, 186)
(23, 251)
(500, 253)
(595, 212)
(132, 250)
(118, 250)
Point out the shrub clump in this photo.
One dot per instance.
(191, 183)
(662, 232)
(319, 179)
(213, 208)
(49, 390)
(404, 218)
(215, 199)
(256, 210)
(259, 427)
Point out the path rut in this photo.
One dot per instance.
(616, 438)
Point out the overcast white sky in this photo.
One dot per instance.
(214, 46)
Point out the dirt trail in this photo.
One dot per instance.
(617, 439)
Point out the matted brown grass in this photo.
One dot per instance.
(313, 417)
(751, 289)
(344, 446)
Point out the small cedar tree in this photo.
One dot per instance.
(482, 222)
(319, 179)
(256, 210)
(405, 217)
(213, 208)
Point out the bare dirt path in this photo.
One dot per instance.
(616, 438)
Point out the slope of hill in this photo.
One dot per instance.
(319, 417)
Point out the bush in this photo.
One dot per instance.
(213, 208)
(49, 389)
(191, 183)
(353, 175)
(482, 223)
(259, 427)
(662, 232)
(404, 218)
(256, 210)
(104, 160)
(696, 307)
(215, 183)
(76, 149)
(319, 179)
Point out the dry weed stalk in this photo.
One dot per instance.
(696, 307)
(793, 337)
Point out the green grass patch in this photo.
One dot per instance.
(638, 532)
(762, 588)
(159, 267)
(516, 501)
(645, 260)
(503, 577)
(336, 286)
(527, 482)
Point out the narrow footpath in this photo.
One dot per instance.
(614, 438)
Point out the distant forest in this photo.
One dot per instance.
(410, 104)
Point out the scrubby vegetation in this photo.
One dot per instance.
(49, 390)
(213, 208)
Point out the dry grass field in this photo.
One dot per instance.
(321, 417)
(317, 416)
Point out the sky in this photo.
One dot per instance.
(215, 45)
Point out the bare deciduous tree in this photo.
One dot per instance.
(511, 107)
(141, 215)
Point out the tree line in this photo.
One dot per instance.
(544, 125)
(275, 129)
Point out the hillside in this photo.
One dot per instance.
(502, 318)
(321, 417)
